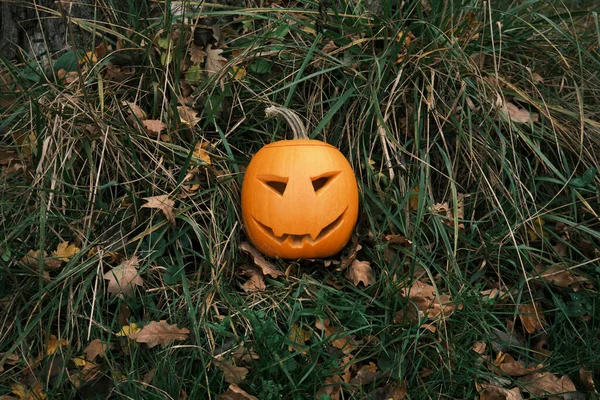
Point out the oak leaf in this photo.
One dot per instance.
(360, 271)
(256, 281)
(197, 54)
(161, 332)
(162, 203)
(214, 60)
(512, 367)
(267, 267)
(135, 110)
(231, 373)
(487, 391)
(123, 278)
(94, 349)
(543, 384)
(188, 115)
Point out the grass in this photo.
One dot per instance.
(414, 98)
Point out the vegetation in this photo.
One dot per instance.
(474, 133)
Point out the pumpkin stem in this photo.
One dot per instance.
(292, 119)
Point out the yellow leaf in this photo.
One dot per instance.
(65, 251)
(239, 73)
(54, 344)
(78, 361)
(201, 153)
(128, 330)
(35, 393)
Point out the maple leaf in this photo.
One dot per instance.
(159, 333)
(65, 251)
(153, 127)
(214, 60)
(231, 373)
(360, 271)
(234, 392)
(187, 115)
(162, 203)
(94, 349)
(122, 278)
(267, 267)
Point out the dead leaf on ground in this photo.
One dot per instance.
(428, 302)
(135, 110)
(36, 392)
(188, 115)
(512, 367)
(153, 127)
(123, 278)
(511, 112)
(256, 282)
(397, 392)
(128, 330)
(214, 60)
(89, 372)
(201, 153)
(298, 335)
(65, 251)
(343, 342)
(231, 373)
(94, 349)
(161, 332)
(54, 344)
(234, 392)
(11, 359)
(347, 261)
(331, 387)
(162, 203)
(32, 259)
(197, 54)
(560, 275)
(487, 391)
(267, 267)
(365, 374)
(587, 379)
(360, 271)
(531, 318)
(398, 239)
(542, 384)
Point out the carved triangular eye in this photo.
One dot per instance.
(320, 182)
(276, 183)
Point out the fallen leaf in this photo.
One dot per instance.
(587, 379)
(11, 359)
(535, 230)
(34, 393)
(530, 317)
(487, 391)
(197, 54)
(214, 60)
(94, 349)
(512, 367)
(340, 341)
(397, 239)
(162, 203)
(267, 267)
(560, 275)
(511, 112)
(331, 387)
(32, 259)
(123, 278)
(397, 392)
(256, 282)
(65, 251)
(128, 330)
(231, 373)
(135, 110)
(365, 374)
(54, 344)
(479, 347)
(298, 336)
(239, 73)
(161, 332)
(153, 127)
(236, 393)
(428, 302)
(6, 156)
(188, 115)
(148, 376)
(360, 271)
(543, 384)
(347, 261)
(201, 153)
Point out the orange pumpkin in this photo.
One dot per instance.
(299, 197)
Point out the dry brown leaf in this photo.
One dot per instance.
(487, 391)
(298, 335)
(398, 239)
(32, 259)
(89, 372)
(331, 387)
(587, 379)
(512, 367)
(267, 267)
(344, 343)
(188, 115)
(54, 344)
(148, 376)
(530, 317)
(11, 359)
(6, 156)
(201, 153)
(365, 374)
(413, 200)
(479, 347)
(511, 112)
(161, 332)
(65, 251)
(360, 271)
(542, 384)
(34, 393)
(94, 349)
(236, 393)
(256, 281)
(123, 278)
(214, 60)
(561, 276)
(162, 203)
(197, 54)
(347, 261)
(153, 127)
(231, 373)
(135, 110)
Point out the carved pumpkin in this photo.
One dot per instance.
(299, 197)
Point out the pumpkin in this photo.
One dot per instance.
(299, 197)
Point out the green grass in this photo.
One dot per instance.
(410, 97)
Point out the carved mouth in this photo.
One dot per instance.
(297, 240)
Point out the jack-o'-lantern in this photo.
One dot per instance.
(299, 197)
